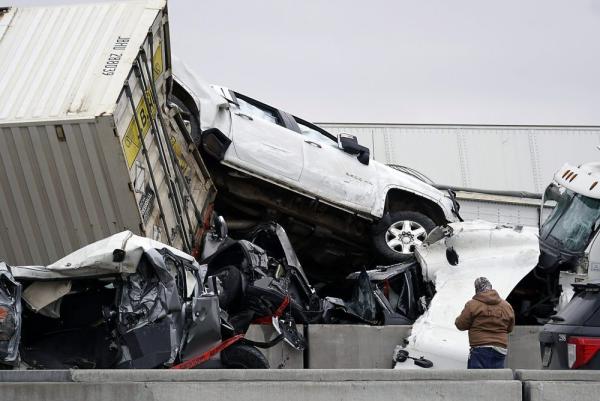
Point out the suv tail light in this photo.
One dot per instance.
(581, 350)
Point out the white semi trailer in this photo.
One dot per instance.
(89, 143)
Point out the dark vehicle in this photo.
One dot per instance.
(571, 340)
(260, 280)
(387, 295)
(124, 302)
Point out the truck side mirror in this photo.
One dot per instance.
(349, 144)
(552, 193)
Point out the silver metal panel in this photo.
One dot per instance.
(501, 213)
(58, 195)
(53, 60)
(510, 158)
(499, 156)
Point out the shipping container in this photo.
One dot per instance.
(89, 144)
(488, 157)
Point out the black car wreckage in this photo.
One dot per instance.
(130, 302)
(123, 302)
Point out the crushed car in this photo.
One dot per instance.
(261, 277)
(122, 302)
(339, 206)
(261, 280)
(387, 295)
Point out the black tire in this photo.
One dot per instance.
(380, 237)
(242, 356)
(192, 118)
(231, 280)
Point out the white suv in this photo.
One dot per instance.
(270, 165)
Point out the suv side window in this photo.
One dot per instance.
(257, 109)
(315, 133)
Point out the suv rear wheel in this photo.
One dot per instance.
(397, 235)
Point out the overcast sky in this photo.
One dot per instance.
(425, 61)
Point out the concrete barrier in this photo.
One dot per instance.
(298, 385)
(559, 385)
(282, 355)
(371, 347)
(558, 375)
(524, 348)
(288, 375)
(272, 385)
(353, 346)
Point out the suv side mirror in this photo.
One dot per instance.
(349, 144)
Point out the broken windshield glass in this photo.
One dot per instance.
(572, 221)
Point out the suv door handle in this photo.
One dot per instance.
(246, 116)
(316, 145)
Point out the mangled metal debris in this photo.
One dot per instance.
(10, 316)
(505, 255)
(122, 302)
(261, 280)
(388, 295)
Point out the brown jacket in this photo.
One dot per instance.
(488, 318)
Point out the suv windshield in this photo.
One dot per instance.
(572, 222)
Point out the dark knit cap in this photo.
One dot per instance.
(482, 284)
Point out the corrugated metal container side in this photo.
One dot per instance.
(499, 212)
(505, 158)
(60, 193)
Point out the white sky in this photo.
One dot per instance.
(425, 61)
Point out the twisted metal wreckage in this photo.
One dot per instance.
(131, 302)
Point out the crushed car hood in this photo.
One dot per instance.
(502, 254)
(117, 254)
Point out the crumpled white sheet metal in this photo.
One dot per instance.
(97, 258)
(503, 255)
(207, 99)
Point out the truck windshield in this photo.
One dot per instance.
(572, 221)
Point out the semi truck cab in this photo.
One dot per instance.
(569, 237)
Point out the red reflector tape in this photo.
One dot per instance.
(278, 312)
(192, 363)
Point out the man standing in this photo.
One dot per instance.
(489, 319)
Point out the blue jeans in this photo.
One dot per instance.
(485, 358)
